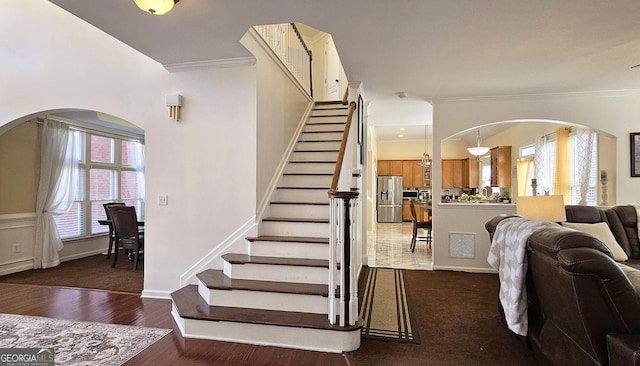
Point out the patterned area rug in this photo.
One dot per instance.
(386, 308)
(75, 342)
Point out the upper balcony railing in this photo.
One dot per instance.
(287, 43)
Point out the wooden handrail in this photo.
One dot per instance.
(345, 97)
(343, 147)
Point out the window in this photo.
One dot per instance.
(577, 159)
(545, 166)
(111, 170)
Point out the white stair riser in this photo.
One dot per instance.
(321, 119)
(324, 127)
(323, 181)
(324, 168)
(321, 136)
(315, 146)
(307, 211)
(270, 335)
(301, 195)
(271, 272)
(314, 156)
(276, 228)
(330, 111)
(289, 250)
(315, 304)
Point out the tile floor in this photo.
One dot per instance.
(389, 247)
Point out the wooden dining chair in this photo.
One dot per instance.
(419, 224)
(127, 235)
(112, 236)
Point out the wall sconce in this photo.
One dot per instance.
(156, 7)
(174, 102)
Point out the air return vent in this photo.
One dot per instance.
(462, 245)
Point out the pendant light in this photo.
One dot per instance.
(478, 150)
(426, 160)
(156, 7)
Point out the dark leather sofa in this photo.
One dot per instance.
(582, 307)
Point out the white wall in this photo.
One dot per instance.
(281, 106)
(616, 113)
(205, 164)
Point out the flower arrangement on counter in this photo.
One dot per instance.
(470, 197)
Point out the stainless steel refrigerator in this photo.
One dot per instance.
(389, 199)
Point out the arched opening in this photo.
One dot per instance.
(530, 141)
(110, 159)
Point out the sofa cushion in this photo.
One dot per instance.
(601, 232)
(633, 275)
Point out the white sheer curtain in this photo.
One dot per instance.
(56, 190)
(584, 147)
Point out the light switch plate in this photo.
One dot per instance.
(163, 200)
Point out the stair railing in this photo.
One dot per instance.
(343, 201)
(287, 43)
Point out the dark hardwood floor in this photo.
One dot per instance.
(130, 309)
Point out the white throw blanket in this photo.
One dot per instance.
(508, 256)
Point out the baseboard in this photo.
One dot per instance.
(156, 294)
(465, 269)
(237, 241)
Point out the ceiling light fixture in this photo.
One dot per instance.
(426, 159)
(478, 150)
(156, 7)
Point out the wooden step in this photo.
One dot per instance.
(217, 289)
(197, 319)
(216, 279)
(235, 258)
(295, 239)
(300, 203)
(296, 219)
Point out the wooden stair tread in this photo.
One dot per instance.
(292, 239)
(235, 258)
(217, 280)
(299, 203)
(334, 131)
(314, 174)
(325, 102)
(302, 187)
(313, 162)
(319, 151)
(296, 219)
(299, 141)
(191, 305)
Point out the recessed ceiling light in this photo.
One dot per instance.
(401, 128)
(400, 135)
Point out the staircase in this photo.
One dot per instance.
(278, 293)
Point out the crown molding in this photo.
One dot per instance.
(595, 93)
(211, 64)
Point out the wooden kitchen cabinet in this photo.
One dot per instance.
(501, 166)
(413, 175)
(452, 173)
(418, 174)
(406, 211)
(384, 167)
(470, 172)
(396, 167)
(407, 174)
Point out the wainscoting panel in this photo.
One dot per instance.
(17, 237)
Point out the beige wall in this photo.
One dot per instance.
(400, 150)
(19, 168)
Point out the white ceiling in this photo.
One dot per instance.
(429, 48)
